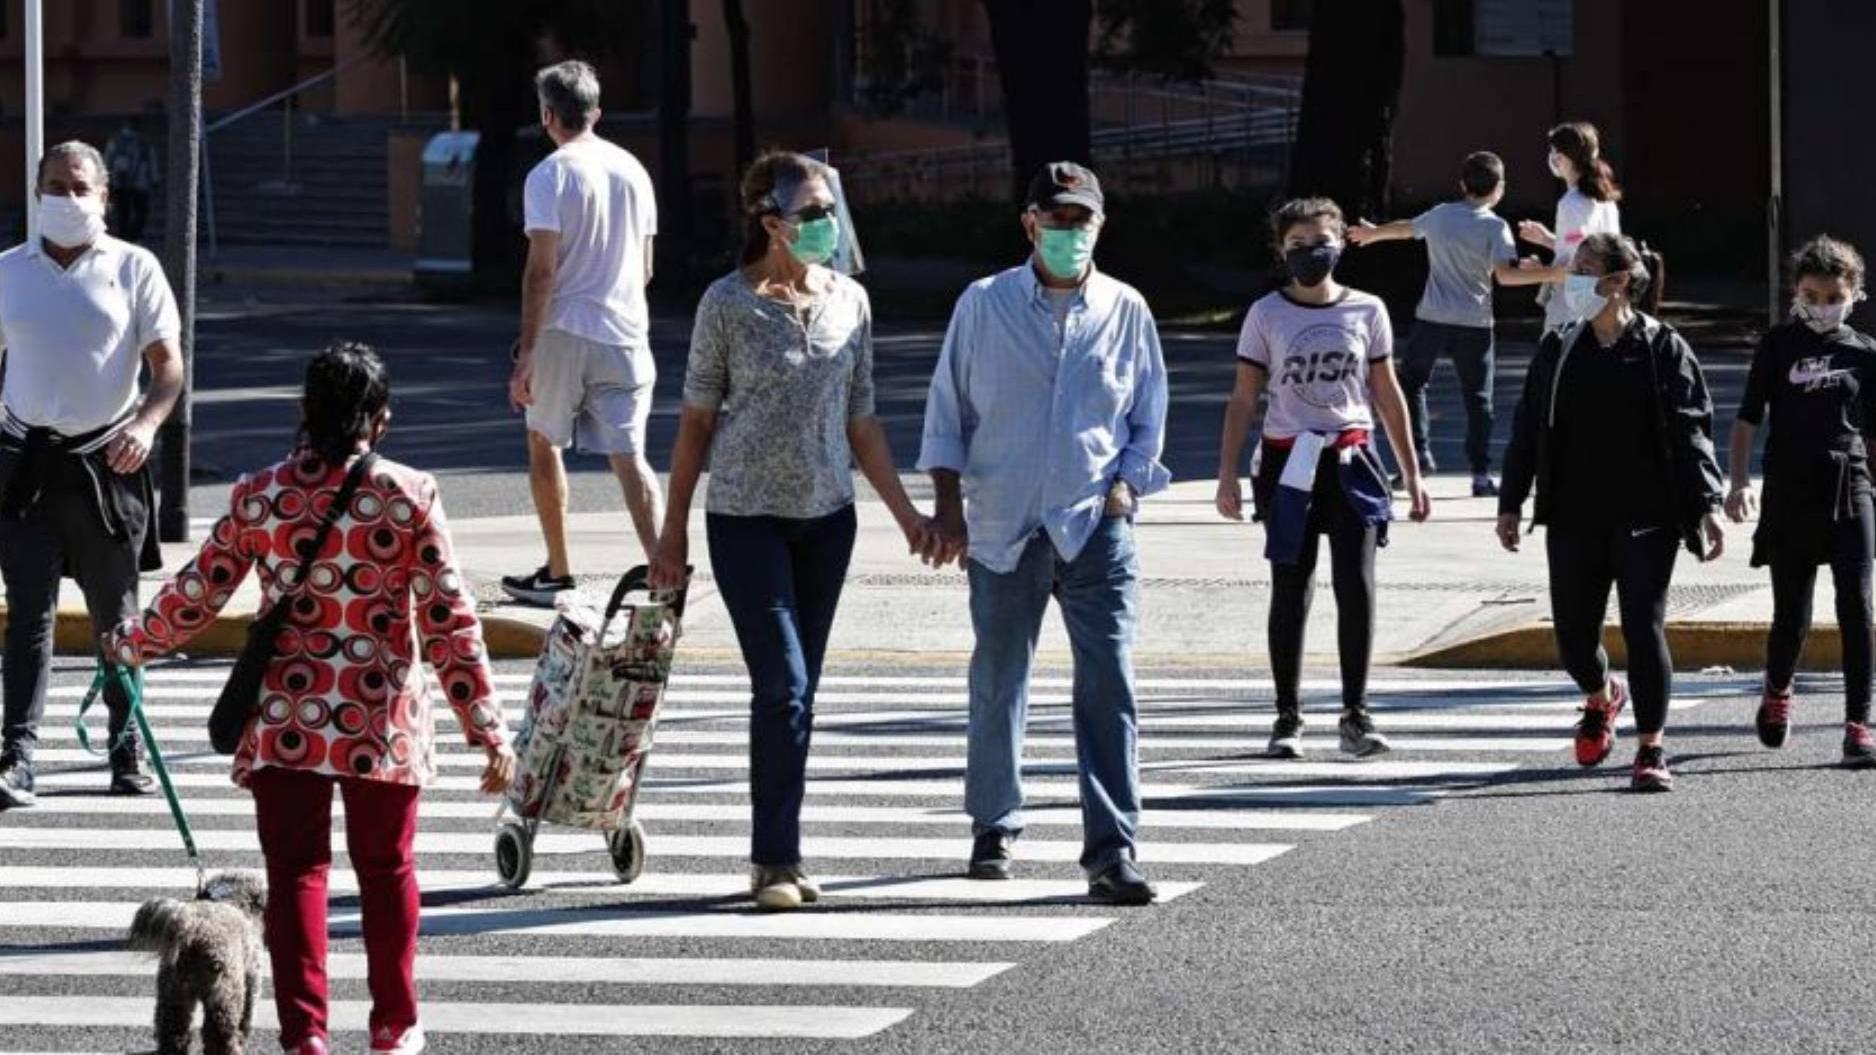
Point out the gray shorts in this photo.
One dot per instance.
(596, 396)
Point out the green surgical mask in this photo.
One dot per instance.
(816, 240)
(1065, 251)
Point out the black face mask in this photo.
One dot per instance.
(1311, 264)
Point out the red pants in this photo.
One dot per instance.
(293, 810)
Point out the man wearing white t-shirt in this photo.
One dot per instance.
(80, 314)
(583, 367)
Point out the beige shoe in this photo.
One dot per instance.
(810, 890)
(775, 888)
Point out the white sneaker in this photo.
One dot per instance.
(776, 889)
(410, 1043)
(810, 890)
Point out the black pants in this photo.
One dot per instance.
(1293, 589)
(64, 531)
(1584, 562)
(780, 579)
(1471, 350)
(132, 213)
(1794, 579)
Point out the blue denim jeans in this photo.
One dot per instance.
(780, 579)
(1097, 592)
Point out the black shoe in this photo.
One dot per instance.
(1122, 884)
(16, 784)
(1397, 483)
(1427, 466)
(539, 589)
(1358, 735)
(990, 855)
(131, 782)
(1483, 486)
(1286, 736)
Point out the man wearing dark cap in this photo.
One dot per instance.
(1049, 408)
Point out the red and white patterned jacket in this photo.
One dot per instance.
(345, 695)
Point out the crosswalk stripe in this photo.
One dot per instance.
(435, 881)
(806, 925)
(669, 761)
(559, 841)
(1350, 796)
(1040, 816)
(1058, 744)
(684, 679)
(597, 1020)
(872, 974)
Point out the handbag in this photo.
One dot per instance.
(242, 693)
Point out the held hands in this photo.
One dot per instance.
(1361, 234)
(946, 540)
(1508, 531)
(500, 771)
(1742, 504)
(130, 448)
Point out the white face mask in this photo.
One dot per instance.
(1823, 318)
(1579, 294)
(1556, 164)
(71, 222)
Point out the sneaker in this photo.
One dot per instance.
(131, 782)
(775, 888)
(1774, 719)
(1595, 732)
(1358, 735)
(1396, 483)
(1859, 747)
(1286, 735)
(16, 784)
(1651, 771)
(990, 855)
(1483, 486)
(539, 589)
(410, 1043)
(1122, 884)
(810, 890)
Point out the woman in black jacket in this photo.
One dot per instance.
(1615, 431)
(1817, 377)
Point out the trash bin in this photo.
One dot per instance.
(445, 238)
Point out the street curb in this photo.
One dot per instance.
(1695, 646)
(506, 638)
(307, 277)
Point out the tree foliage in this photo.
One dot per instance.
(901, 58)
(1178, 40)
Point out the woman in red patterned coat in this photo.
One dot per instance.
(345, 701)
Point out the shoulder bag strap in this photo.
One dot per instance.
(340, 503)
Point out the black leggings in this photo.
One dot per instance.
(1293, 588)
(1584, 563)
(1853, 541)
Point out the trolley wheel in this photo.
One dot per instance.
(628, 851)
(514, 854)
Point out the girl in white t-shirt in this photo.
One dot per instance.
(1587, 207)
(1323, 353)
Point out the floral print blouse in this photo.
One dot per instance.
(345, 695)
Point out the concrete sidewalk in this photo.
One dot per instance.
(1449, 596)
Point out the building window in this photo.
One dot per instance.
(319, 18)
(1502, 28)
(1290, 15)
(136, 18)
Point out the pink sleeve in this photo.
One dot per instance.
(190, 600)
(447, 626)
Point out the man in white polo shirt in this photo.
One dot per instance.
(583, 366)
(80, 313)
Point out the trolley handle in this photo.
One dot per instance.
(637, 579)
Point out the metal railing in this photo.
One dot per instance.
(283, 98)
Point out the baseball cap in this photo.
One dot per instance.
(1065, 183)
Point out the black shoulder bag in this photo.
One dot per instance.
(241, 695)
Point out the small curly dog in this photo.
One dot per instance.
(210, 953)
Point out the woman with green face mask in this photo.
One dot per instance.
(778, 396)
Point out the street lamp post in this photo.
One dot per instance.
(185, 148)
(35, 48)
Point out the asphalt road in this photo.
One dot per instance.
(1472, 892)
(449, 373)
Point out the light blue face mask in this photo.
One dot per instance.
(1065, 251)
(1580, 296)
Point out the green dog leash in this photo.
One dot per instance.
(132, 681)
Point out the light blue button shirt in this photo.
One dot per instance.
(1038, 419)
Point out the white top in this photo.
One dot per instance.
(600, 200)
(1578, 217)
(74, 337)
(1317, 357)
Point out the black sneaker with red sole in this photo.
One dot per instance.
(1774, 719)
(1651, 771)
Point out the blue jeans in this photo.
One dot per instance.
(1470, 348)
(1097, 592)
(780, 579)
